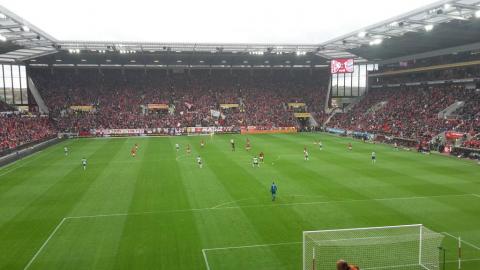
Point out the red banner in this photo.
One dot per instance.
(452, 135)
(342, 65)
(267, 130)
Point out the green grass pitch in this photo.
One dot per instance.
(160, 211)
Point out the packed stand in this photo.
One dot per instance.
(115, 99)
(408, 112)
(18, 129)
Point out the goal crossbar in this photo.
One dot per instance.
(366, 228)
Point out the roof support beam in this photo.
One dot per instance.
(471, 7)
(457, 49)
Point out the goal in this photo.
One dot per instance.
(391, 247)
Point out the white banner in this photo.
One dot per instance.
(215, 113)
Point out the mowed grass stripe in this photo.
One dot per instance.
(161, 210)
(312, 167)
(23, 235)
(97, 240)
(242, 181)
(71, 190)
(150, 242)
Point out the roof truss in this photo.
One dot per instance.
(37, 42)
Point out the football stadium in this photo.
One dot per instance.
(226, 135)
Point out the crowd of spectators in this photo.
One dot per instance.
(472, 143)
(119, 99)
(19, 129)
(410, 112)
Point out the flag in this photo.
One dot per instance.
(215, 113)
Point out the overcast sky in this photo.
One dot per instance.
(223, 21)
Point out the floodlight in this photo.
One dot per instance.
(477, 14)
(376, 41)
(394, 24)
(3, 38)
(429, 27)
(362, 34)
(447, 6)
(26, 28)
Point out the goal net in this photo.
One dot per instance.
(390, 247)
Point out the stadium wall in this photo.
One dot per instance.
(28, 150)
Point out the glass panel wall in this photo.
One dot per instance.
(13, 84)
(351, 84)
(23, 84)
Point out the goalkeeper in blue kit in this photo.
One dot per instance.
(273, 190)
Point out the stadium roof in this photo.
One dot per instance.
(23, 39)
(438, 26)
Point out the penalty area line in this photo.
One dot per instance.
(265, 206)
(227, 203)
(463, 241)
(204, 251)
(253, 246)
(44, 244)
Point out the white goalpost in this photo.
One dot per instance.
(390, 247)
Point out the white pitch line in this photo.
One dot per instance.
(227, 203)
(463, 260)
(29, 157)
(263, 206)
(44, 244)
(463, 241)
(390, 267)
(23, 164)
(405, 265)
(476, 195)
(253, 246)
(205, 258)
